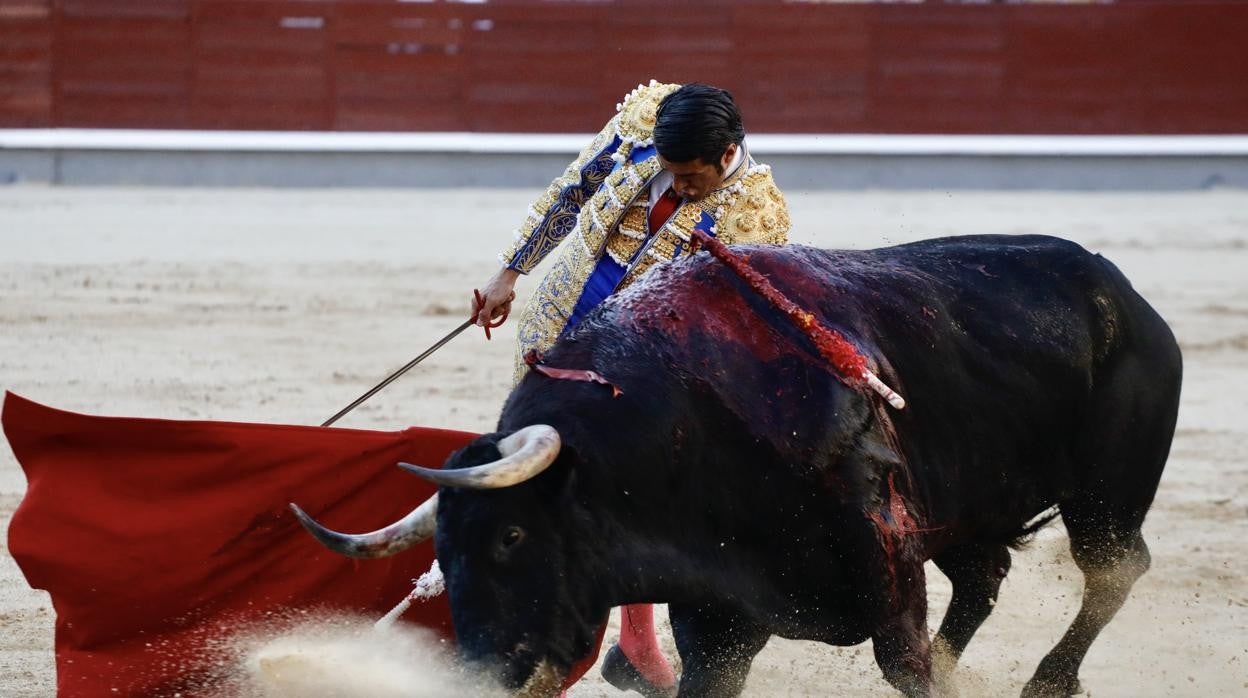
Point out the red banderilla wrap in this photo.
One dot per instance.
(843, 356)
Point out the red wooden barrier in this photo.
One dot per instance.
(26, 63)
(1138, 66)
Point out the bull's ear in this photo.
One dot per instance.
(563, 475)
(482, 449)
(572, 498)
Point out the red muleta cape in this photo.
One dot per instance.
(154, 537)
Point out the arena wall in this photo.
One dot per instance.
(1161, 68)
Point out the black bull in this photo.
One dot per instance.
(738, 479)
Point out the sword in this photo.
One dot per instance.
(423, 355)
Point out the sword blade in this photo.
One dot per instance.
(423, 355)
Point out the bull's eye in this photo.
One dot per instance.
(513, 535)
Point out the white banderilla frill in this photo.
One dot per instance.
(428, 585)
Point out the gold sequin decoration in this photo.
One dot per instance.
(540, 233)
(625, 184)
(548, 310)
(560, 219)
(630, 234)
(637, 113)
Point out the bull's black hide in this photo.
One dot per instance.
(740, 480)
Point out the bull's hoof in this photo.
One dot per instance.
(1055, 687)
(621, 673)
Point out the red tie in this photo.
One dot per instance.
(663, 209)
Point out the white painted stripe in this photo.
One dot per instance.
(569, 144)
(283, 141)
(888, 144)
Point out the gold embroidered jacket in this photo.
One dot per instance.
(600, 202)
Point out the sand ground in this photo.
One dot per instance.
(282, 306)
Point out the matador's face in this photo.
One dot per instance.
(697, 178)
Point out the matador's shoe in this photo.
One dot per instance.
(620, 672)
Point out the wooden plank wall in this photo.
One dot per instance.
(26, 63)
(1136, 66)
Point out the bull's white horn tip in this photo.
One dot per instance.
(416, 469)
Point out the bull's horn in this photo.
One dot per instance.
(525, 454)
(398, 536)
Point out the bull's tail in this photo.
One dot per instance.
(1020, 539)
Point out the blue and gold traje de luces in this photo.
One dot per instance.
(608, 274)
(600, 202)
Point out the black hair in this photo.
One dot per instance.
(697, 121)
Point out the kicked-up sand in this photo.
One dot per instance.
(284, 305)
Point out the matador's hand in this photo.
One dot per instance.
(494, 299)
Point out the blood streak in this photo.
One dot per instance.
(893, 522)
(902, 523)
(849, 363)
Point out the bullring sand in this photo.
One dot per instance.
(282, 306)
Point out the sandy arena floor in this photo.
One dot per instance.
(282, 306)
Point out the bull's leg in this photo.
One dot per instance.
(1110, 564)
(886, 553)
(902, 648)
(976, 572)
(1130, 424)
(717, 644)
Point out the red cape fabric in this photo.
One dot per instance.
(155, 536)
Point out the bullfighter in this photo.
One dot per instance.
(672, 159)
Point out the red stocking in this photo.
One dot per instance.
(639, 644)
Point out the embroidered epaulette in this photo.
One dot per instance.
(635, 123)
(758, 212)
